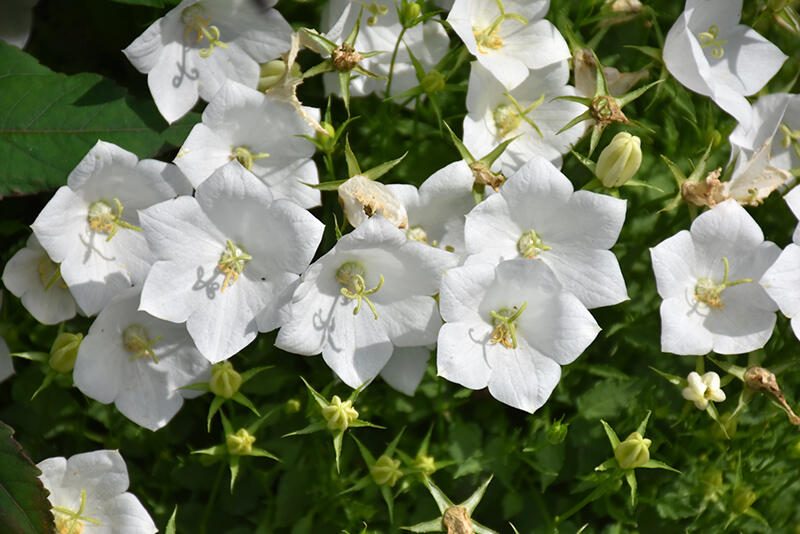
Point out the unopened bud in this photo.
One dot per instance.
(425, 463)
(409, 13)
(620, 160)
(339, 414)
(711, 481)
(64, 351)
(271, 73)
(240, 443)
(386, 471)
(633, 452)
(292, 406)
(557, 432)
(362, 198)
(225, 381)
(743, 499)
(433, 82)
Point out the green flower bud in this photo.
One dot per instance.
(225, 381)
(425, 463)
(633, 452)
(64, 351)
(557, 432)
(240, 443)
(339, 414)
(409, 13)
(433, 82)
(711, 481)
(271, 73)
(386, 471)
(620, 160)
(743, 498)
(292, 406)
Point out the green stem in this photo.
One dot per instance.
(211, 499)
(391, 65)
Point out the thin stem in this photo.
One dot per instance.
(211, 499)
(391, 65)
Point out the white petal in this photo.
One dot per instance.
(462, 290)
(682, 330)
(173, 81)
(593, 275)
(460, 355)
(521, 378)
(405, 369)
(130, 517)
(674, 265)
(725, 231)
(101, 473)
(782, 281)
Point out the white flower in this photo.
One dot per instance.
(378, 32)
(88, 495)
(755, 178)
(510, 328)
(436, 211)
(194, 48)
(703, 389)
(15, 21)
(263, 134)
(782, 279)
(228, 259)
(361, 198)
(33, 277)
(708, 51)
(509, 37)
(527, 112)
(776, 122)
(406, 367)
(138, 362)
(708, 279)
(371, 292)
(537, 215)
(90, 226)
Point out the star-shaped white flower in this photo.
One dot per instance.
(436, 210)
(527, 113)
(263, 134)
(32, 276)
(91, 225)
(193, 49)
(88, 494)
(139, 363)
(508, 37)
(708, 278)
(510, 328)
(378, 32)
(228, 259)
(782, 280)
(537, 215)
(708, 51)
(776, 122)
(371, 292)
(703, 389)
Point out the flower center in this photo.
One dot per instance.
(505, 328)
(231, 263)
(709, 292)
(710, 38)
(138, 343)
(530, 244)
(192, 17)
(50, 273)
(487, 37)
(377, 10)
(345, 58)
(351, 276)
(509, 117)
(417, 233)
(243, 155)
(103, 219)
(71, 522)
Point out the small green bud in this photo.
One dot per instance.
(271, 73)
(425, 463)
(386, 471)
(64, 351)
(743, 499)
(225, 381)
(326, 139)
(620, 160)
(339, 414)
(434, 81)
(409, 13)
(633, 452)
(711, 481)
(240, 443)
(292, 406)
(557, 432)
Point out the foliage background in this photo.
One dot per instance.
(93, 92)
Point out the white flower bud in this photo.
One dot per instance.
(620, 160)
(362, 198)
(703, 389)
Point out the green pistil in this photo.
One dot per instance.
(508, 117)
(351, 276)
(505, 329)
(192, 17)
(709, 38)
(487, 37)
(231, 263)
(708, 292)
(530, 244)
(71, 523)
(136, 341)
(102, 218)
(243, 155)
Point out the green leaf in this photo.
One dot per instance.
(170, 528)
(378, 171)
(50, 121)
(24, 507)
(612, 436)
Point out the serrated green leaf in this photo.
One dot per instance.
(51, 120)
